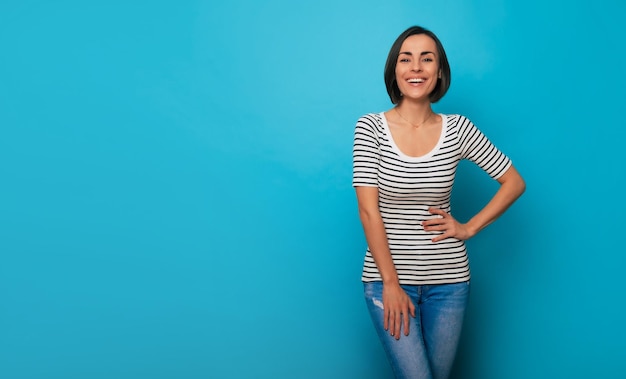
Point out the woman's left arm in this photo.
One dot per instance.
(511, 187)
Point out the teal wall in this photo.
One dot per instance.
(176, 201)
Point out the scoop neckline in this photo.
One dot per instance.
(432, 152)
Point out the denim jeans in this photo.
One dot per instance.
(429, 349)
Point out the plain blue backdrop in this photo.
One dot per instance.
(176, 201)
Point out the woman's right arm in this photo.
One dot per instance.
(396, 303)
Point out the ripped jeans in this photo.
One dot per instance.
(429, 349)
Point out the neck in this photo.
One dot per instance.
(414, 113)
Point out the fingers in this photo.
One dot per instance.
(405, 320)
(398, 325)
(386, 319)
(437, 221)
(437, 225)
(438, 211)
(397, 307)
(445, 224)
(395, 319)
(394, 323)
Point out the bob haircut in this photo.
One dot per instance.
(443, 83)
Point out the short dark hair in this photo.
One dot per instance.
(443, 83)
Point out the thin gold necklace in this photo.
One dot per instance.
(410, 123)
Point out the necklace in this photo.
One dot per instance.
(410, 123)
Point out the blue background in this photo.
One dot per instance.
(176, 201)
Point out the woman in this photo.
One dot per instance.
(416, 272)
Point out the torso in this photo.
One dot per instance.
(413, 171)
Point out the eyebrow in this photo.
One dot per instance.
(422, 53)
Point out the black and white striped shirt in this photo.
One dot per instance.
(408, 186)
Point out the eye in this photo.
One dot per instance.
(404, 60)
(428, 59)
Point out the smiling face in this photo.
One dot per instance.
(417, 68)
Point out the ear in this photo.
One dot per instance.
(439, 76)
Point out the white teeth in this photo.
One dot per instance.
(416, 80)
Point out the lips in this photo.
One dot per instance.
(416, 80)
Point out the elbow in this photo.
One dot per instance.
(367, 215)
(514, 182)
(521, 186)
(364, 214)
(518, 187)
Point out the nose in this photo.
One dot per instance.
(416, 65)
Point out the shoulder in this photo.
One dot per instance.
(455, 118)
(371, 119)
(458, 121)
(371, 123)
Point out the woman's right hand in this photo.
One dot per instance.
(397, 307)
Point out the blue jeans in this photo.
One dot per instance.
(429, 349)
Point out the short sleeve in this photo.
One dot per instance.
(365, 153)
(476, 147)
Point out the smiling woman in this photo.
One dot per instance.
(417, 48)
(416, 271)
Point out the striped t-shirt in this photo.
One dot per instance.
(408, 186)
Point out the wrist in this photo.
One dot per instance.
(391, 281)
(471, 229)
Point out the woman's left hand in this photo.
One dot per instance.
(450, 227)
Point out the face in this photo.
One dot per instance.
(417, 68)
